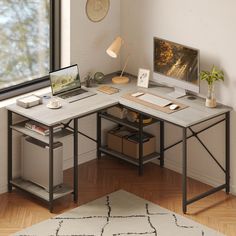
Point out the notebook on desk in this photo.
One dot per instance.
(65, 84)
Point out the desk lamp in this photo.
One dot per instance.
(113, 51)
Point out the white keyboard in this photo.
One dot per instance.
(155, 100)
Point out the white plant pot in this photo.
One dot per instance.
(210, 102)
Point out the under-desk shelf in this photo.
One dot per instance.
(131, 160)
(20, 127)
(125, 122)
(40, 192)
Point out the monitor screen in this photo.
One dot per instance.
(65, 79)
(178, 62)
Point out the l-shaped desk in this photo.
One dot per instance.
(195, 113)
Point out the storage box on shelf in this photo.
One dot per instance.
(117, 111)
(126, 141)
(115, 138)
(131, 145)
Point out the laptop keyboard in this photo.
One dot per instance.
(72, 93)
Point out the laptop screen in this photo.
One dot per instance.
(65, 79)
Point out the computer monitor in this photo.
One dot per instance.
(176, 65)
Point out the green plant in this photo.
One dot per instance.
(213, 75)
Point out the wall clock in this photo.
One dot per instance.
(96, 10)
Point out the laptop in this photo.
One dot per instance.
(65, 84)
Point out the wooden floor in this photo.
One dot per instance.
(97, 178)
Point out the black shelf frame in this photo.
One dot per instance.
(125, 122)
(51, 140)
(139, 127)
(129, 159)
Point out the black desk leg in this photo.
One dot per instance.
(9, 151)
(162, 143)
(51, 169)
(140, 144)
(99, 142)
(184, 171)
(76, 160)
(227, 151)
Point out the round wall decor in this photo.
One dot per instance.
(96, 10)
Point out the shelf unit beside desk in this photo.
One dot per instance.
(50, 118)
(52, 194)
(134, 126)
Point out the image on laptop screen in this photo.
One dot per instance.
(65, 79)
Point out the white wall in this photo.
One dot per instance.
(65, 33)
(90, 40)
(208, 26)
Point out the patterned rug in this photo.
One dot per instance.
(119, 214)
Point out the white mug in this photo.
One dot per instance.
(54, 103)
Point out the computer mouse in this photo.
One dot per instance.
(173, 106)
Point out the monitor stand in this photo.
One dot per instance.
(177, 93)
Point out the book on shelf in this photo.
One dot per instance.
(42, 129)
(135, 137)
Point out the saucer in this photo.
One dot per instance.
(53, 107)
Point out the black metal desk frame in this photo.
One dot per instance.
(185, 201)
(226, 170)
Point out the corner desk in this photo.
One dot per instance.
(194, 114)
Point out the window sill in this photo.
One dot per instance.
(12, 100)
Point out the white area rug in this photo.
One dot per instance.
(119, 214)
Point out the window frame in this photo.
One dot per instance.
(55, 57)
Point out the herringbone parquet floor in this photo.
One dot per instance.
(97, 178)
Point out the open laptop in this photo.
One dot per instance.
(65, 83)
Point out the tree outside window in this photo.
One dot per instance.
(24, 41)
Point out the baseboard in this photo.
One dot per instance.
(3, 189)
(195, 174)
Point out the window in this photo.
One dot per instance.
(29, 44)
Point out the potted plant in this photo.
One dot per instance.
(211, 77)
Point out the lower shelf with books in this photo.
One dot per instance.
(41, 129)
(20, 127)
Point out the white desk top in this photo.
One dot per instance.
(79, 108)
(195, 113)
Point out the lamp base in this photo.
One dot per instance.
(120, 80)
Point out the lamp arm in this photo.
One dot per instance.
(126, 62)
